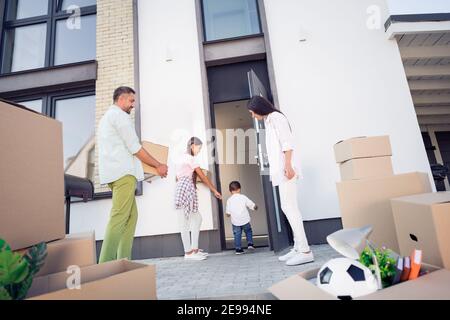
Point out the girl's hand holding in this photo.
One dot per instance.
(218, 195)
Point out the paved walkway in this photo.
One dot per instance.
(228, 276)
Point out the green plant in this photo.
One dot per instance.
(17, 271)
(385, 261)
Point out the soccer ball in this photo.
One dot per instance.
(346, 279)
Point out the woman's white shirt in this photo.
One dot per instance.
(280, 139)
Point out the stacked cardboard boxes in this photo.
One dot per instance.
(32, 212)
(416, 219)
(368, 183)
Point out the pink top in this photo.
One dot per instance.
(186, 165)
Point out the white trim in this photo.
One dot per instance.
(399, 28)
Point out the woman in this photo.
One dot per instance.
(284, 173)
(186, 200)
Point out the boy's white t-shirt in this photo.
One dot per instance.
(237, 207)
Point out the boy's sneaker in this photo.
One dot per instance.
(239, 251)
(194, 257)
(251, 247)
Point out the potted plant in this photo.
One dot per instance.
(387, 263)
(17, 271)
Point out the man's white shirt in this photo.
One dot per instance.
(117, 145)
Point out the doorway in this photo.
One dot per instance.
(233, 116)
(230, 88)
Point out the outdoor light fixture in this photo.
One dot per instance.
(351, 242)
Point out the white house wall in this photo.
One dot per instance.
(337, 79)
(172, 110)
(344, 80)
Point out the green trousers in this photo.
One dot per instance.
(119, 236)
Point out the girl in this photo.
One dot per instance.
(284, 172)
(186, 200)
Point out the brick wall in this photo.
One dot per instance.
(115, 57)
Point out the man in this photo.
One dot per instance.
(120, 156)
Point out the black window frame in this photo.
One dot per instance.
(205, 41)
(53, 16)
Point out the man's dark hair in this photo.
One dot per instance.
(235, 186)
(120, 91)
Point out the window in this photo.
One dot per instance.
(230, 19)
(68, 42)
(29, 8)
(35, 105)
(45, 33)
(77, 115)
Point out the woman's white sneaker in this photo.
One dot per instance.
(203, 253)
(194, 257)
(300, 258)
(288, 256)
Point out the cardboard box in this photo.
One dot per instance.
(75, 249)
(423, 222)
(117, 280)
(362, 147)
(31, 177)
(367, 202)
(160, 153)
(433, 286)
(366, 168)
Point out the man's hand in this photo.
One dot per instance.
(162, 170)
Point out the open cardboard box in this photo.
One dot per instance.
(75, 249)
(433, 286)
(117, 280)
(160, 153)
(423, 222)
(362, 147)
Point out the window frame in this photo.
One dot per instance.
(205, 41)
(53, 16)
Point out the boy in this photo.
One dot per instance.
(237, 206)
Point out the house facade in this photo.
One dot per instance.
(337, 69)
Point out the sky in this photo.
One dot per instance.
(418, 6)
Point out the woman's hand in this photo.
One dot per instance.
(289, 172)
(217, 195)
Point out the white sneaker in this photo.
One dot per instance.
(194, 257)
(300, 258)
(289, 255)
(201, 252)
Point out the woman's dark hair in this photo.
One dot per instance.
(235, 186)
(197, 142)
(261, 106)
